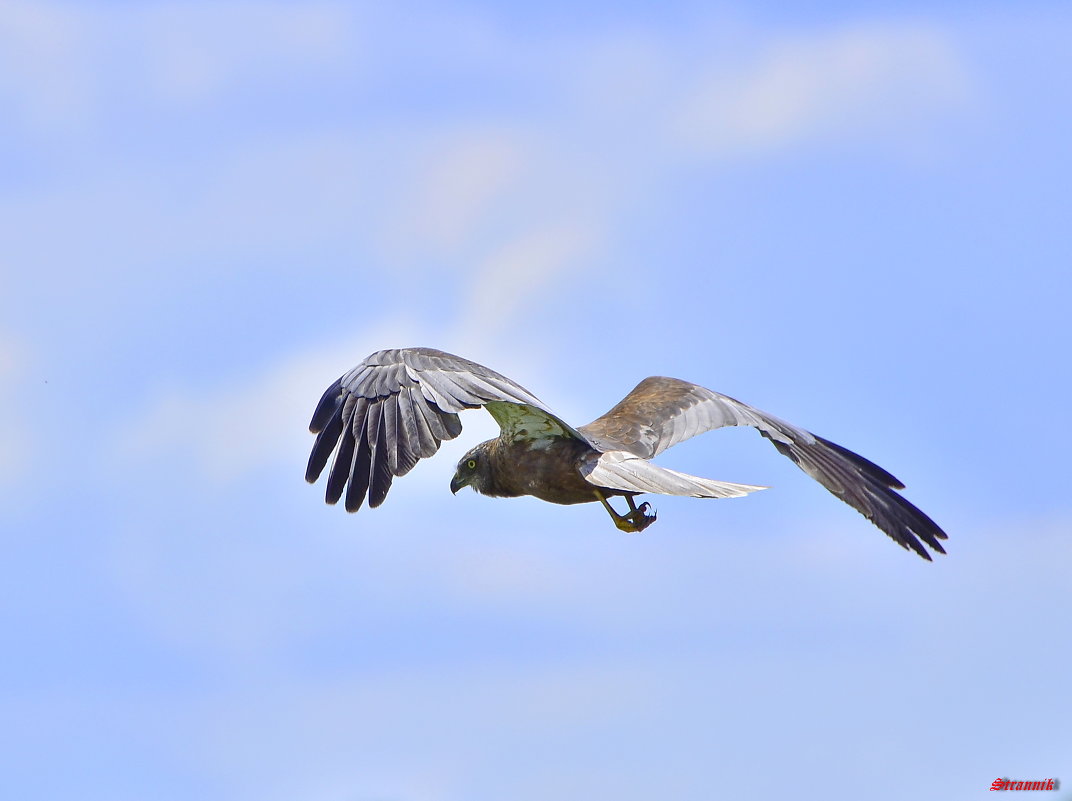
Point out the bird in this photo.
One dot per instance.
(398, 405)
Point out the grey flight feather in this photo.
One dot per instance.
(397, 407)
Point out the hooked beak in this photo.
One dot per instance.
(457, 483)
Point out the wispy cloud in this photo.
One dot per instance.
(519, 278)
(515, 213)
(867, 81)
(458, 185)
(63, 64)
(253, 422)
(258, 420)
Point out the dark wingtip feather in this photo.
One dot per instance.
(865, 465)
(903, 537)
(923, 552)
(340, 469)
(326, 440)
(869, 489)
(359, 475)
(907, 519)
(380, 477)
(907, 525)
(380, 485)
(325, 409)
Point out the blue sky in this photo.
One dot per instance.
(853, 216)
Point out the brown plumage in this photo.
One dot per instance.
(397, 406)
(551, 472)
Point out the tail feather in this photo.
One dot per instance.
(624, 471)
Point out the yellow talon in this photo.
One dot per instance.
(635, 520)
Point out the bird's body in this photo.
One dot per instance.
(550, 471)
(397, 406)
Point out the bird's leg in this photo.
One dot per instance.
(623, 523)
(635, 520)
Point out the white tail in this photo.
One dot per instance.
(624, 471)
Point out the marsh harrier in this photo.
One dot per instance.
(397, 406)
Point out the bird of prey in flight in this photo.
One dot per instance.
(397, 406)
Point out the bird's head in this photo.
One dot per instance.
(474, 470)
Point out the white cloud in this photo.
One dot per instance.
(523, 273)
(258, 421)
(59, 62)
(465, 177)
(255, 421)
(869, 80)
(526, 212)
(526, 191)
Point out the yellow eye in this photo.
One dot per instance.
(471, 464)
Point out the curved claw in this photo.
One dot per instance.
(640, 519)
(636, 519)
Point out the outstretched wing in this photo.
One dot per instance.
(661, 412)
(397, 407)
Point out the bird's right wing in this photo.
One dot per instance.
(396, 408)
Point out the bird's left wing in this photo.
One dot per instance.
(661, 412)
(397, 407)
